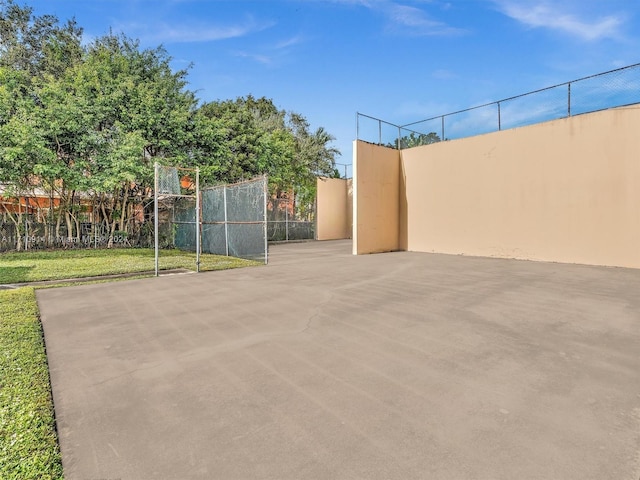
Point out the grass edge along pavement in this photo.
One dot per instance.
(28, 439)
(29, 447)
(25, 267)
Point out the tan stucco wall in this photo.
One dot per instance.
(333, 209)
(376, 197)
(350, 206)
(565, 191)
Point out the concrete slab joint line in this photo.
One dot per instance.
(175, 271)
(328, 365)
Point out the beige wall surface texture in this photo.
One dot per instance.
(333, 218)
(350, 206)
(566, 190)
(376, 196)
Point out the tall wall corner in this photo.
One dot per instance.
(376, 198)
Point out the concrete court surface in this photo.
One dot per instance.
(323, 365)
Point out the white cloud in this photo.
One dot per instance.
(443, 74)
(272, 54)
(406, 19)
(416, 109)
(364, 3)
(290, 42)
(555, 16)
(202, 34)
(415, 21)
(194, 33)
(263, 59)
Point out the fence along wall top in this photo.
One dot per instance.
(504, 100)
(495, 102)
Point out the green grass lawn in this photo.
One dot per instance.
(28, 442)
(21, 267)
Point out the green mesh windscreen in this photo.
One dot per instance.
(233, 219)
(168, 181)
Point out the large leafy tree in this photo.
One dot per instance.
(21, 144)
(90, 121)
(31, 48)
(36, 44)
(110, 117)
(234, 140)
(250, 136)
(415, 139)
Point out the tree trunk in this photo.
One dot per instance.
(112, 230)
(18, 223)
(68, 221)
(16, 219)
(58, 223)
(123, 213)
(114, 223)
(105, 217)
(71, 218)
(63, 210)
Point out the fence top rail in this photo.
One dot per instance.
(184, 169)
(402, 127)
(238, 183)
(496, 102)
(358, 114)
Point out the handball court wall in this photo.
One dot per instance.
(334, 208)
(566, 191)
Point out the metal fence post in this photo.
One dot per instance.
(499, 119)
(569, 99)
(26, 224)
(198, 219)
(443, 128)
(155, 215)
(226, 223)
(286, 220)
(264, 224)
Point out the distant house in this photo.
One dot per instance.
(38, 204)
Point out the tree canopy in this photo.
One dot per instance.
(415, 139)
(91, 120)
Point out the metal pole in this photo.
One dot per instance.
(569, 99)
(155, 215)
(226, 226)
(264, 227)
(198, 220)
(26, 224)
(286, 220)
(315, 212)
(499, 119)
(442, 128)
(399, 138)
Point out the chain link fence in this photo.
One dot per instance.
(289, 219)
(615, 88)
(234, 219)
(32, 235)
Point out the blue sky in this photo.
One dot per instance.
(399, 60)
